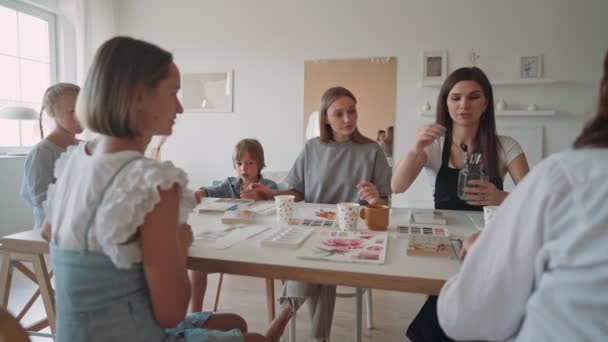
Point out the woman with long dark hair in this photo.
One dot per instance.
(539, 270)
(465, 114)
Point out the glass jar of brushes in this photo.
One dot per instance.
(471, 170)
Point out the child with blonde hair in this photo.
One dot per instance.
(58, 102)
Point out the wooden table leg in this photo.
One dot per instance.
(270, 298)
(5, 278)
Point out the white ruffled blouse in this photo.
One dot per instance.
(133, 194)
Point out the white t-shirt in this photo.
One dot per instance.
(509, 150)
(539, 271)
(134, 193)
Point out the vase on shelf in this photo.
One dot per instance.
(501, 105)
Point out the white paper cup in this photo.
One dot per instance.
(348, 215)
(285, 205)
(488, 214)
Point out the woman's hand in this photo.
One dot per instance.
(257, 192)
(481, 192)
(425, 136)
(467, 244)
(368, 192)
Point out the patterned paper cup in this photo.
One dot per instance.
(348, 214)
(285, 205)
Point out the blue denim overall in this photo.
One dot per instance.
(96, 301)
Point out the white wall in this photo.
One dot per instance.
(266, 42)
(15, 215)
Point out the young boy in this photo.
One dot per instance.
(248, 162)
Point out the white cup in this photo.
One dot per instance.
(348, 215)
(285, 205)
(488, 214)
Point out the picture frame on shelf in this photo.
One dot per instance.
(434, 67)
(208, 92)
(530, 67)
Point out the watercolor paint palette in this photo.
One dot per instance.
(311, 223)
(287, 237)
(406, 231)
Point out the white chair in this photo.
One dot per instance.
(358, 294)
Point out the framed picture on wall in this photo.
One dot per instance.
(434, 66)
(207, 92)
(530, 67)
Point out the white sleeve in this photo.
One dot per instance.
(487, 299)
(510, 149)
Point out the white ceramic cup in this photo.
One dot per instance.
(348, 214)
(285, 205)
(488, 214)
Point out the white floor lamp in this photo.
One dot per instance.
(18, 113)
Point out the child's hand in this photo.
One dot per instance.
(368, 192)
(257, 192)
(199, 194)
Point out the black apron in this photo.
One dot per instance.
(425, 326)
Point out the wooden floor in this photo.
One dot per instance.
(247, 296)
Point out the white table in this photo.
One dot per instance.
(418, 274)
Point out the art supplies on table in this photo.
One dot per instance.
(222, 204)
(221, 236)
(287, 237)
(427, 218)
(406, 231)
(432, 245)
(237, 216)
(326, 214)
(311, 223)
(367, 247)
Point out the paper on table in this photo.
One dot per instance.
(368, 247)
(223, 236)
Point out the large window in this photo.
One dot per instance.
(27, 67)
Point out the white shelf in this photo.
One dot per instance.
(531, 81)
(524, 112)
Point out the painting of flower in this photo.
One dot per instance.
(353, 246)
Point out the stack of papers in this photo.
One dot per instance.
(222, 204)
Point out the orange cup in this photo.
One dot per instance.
(375, 216)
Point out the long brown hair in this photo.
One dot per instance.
(51, 98)
(486, 139)
(595, 133)
(329, 97)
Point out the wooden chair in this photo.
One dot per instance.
(28, 247)
(269, 296)
(10, 329)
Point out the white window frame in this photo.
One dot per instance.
(51, 18)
